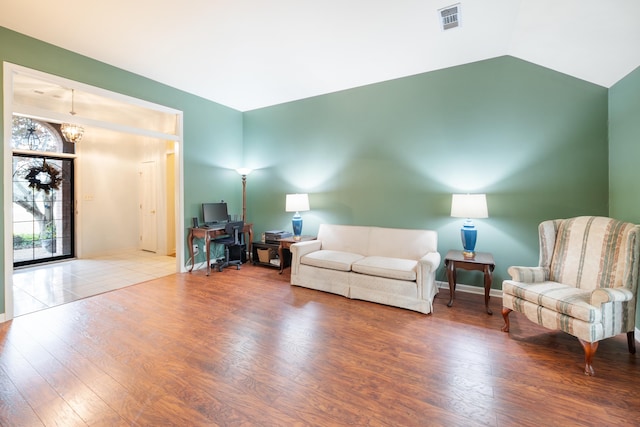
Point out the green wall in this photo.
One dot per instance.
(391, 154)
(212, 132)
(624, 151)
(624, 148)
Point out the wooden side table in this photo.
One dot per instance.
(482, 261)
(285, 244)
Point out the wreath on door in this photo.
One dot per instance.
(44, 178)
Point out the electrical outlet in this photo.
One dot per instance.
(195, 249)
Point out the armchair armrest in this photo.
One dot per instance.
(528, 274)
(602, 295)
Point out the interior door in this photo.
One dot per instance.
(148, 207)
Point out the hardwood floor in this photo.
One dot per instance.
(243, 347)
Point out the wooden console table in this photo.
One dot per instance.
(481, 262)
(209, 234)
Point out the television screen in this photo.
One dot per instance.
(214, 212)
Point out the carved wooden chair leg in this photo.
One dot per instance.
(505, 316)
(589, 351)
(631, 340)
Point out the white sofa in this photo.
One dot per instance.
(384, 265)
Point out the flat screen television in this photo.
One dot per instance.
(214, 213)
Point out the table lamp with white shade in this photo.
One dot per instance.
(469, 206)
(297, 203)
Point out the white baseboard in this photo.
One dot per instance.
(469, 289)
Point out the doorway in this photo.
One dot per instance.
(107, 112)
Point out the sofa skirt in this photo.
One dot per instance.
(393, 292)
(322, 279)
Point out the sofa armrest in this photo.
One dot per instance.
(528, 274)
(431, 260)
(602, 295)
(426, 277)
(300, 249)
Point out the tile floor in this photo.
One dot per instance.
(39, 287)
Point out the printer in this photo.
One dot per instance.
(274, 235)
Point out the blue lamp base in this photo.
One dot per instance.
(469, 235)
(296, 222)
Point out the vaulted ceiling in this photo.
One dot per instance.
(248, 54)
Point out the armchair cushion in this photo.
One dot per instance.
(555, 296)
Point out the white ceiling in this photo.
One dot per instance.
(248, 54)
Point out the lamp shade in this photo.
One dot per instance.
(469, 206)
(297, 203)
(244, 171)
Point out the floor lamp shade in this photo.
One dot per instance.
(469, 206)
(297, 203)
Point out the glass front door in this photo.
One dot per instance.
(42, 209)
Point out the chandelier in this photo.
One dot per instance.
(72, 133)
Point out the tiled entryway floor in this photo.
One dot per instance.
(39, 287)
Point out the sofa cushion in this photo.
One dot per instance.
(393, 268)
(334, 260)
(557, 297)
(401, 243)
(344, 238)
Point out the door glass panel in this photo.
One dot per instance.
(42, 201)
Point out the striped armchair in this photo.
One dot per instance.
(586, 283)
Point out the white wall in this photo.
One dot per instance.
(107, 190)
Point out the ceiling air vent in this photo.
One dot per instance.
(450, 17)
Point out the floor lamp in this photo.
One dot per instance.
(244, 172)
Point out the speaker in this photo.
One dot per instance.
(195, 222)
